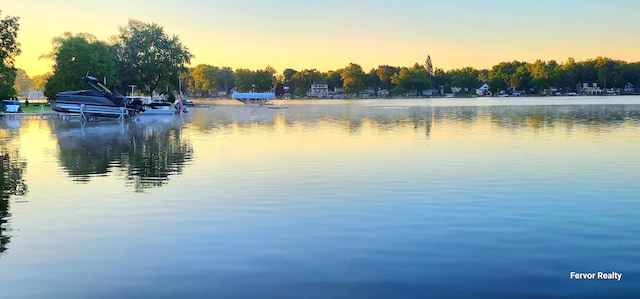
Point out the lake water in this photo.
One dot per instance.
(441, 198)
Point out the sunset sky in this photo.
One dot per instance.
(328, 35)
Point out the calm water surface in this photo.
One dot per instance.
(474, 198)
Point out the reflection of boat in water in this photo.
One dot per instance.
(146, 151)
(98, 102)
(256, 98)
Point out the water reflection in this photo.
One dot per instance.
(351, 117)
(537, 117)
(145, 152)
(12, 171)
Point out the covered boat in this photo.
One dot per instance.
(259, 98)
(98, 102)
(11, 106)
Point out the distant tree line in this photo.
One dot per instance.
(206, 80)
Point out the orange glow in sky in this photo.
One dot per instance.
(329, 35)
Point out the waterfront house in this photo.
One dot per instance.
(483, 90)
(319, 90)
(590, 90)
(629, 88)
(383, 93)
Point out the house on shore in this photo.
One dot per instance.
(483, 90)
(589, 89)
(629, 88)
(318, 90)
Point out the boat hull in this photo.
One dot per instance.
(86, 110)
(11, 106)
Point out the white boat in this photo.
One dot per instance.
(255, 98)
(11, 106)
(155, 106)
(159, 108)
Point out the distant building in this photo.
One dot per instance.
(35, 94)
(590, 90)
(319, 90)
(483, 90)
(629, 88)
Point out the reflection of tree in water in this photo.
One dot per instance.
(389, 117)
(12, 183)
(145, 153)
(154, 156)
(537, 117)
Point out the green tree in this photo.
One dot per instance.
(501, 75)
(148, 57)
(429, 66)
(568, 76)
(226, 78)
(353, 78)
(244, 80)
(263, 80)
(465, 78)
(205, 79)
(333, 79)
(288, 75)
(9, 49)
(522, 77)
(605, 67)
(76, 55)
(302, 80)
(412, 80)
(385, 73)
(372, 79)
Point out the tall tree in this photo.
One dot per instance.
(244, 80)
(288, 75)
(225, 78)
(429, 66)
(333, 79)
(354, 78)
(76, 55)
(205, 78)
(263, 80)
(150, 56)
(9, 49)
(605, 67)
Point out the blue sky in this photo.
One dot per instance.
(330, 34)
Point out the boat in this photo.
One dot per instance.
(11, 106)
(98, 102)
(154, 106)
(255, 98)
(159, 107)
